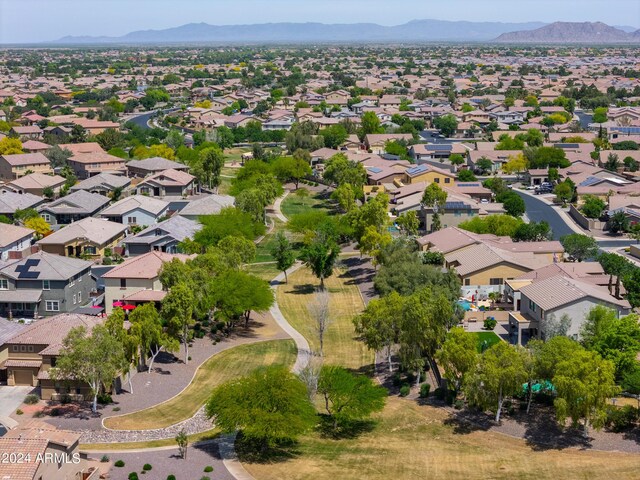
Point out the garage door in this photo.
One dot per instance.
(22, 377)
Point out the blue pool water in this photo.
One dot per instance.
(466, 304)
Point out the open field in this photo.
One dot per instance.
(266, 271)
(295, 203)
(229, 364)
(340, 344)
(412, 441)
(489, 337)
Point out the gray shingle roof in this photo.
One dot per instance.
(156, 164)
(49, 266)
(149, 204)
(80, 201)
(95, 230)
(177, 227)
(11, 201)
(102, 180)
(209, 205)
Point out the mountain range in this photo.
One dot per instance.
(413, 31)
(572, 32)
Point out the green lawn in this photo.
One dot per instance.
(266, 271)
(489, 337)
(295, 204)
(226, 365)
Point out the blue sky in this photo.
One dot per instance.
(42, 20)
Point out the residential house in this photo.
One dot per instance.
(14, 240)
(103, 184)
(337, 97)
(376, 142)
(151, 166)
(53, 454)
(12, 201)
(29, 132)
(44, 284)
(18, 165)
(136, 210)
(484, 262)
(162, 237)
(34, 146)
(207, 205)
(168, 183)
(36, 184)
(424, 152)
(33, 351)
(137, 279)
(73, 207)
(430, 174)
(87, 238)
(86, 165)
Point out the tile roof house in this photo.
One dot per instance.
(88, 237)
(33, 146)
(168, 182)
(137, 279)
(29, 132)
(73, 207)
(32, 351)
(207, 205)
(136, 210)
(86, 165)
(103, 184)
(16, 166)
(163, 237)
(11, 201)
(14, 238)
(485, 262)
(376, 142)
(44, 284)
(35, 183)
(150, 166)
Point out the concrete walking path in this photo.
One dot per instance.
(277, 210)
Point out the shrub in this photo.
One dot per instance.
(404, 390)
(490, 323)
(31, 399)
(39, 414)
(146, 467)
(424, 390)
(116, 409)
(54, 412)
(205, 478)
(65, 399)
(208, 468)
(171, 477)
(439, 393)
(458, 404)
(104, 399)
(396, 380)
(19, 412)
(621, 419)
(104, 459)
(119, 463)
(133, 476)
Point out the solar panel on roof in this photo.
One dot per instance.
(23, 270)
(418, 169)
(29, 275)
(439, 147)
(590, 181)
(468, 184)
(567, 145)
(457, 205)
(374, 169)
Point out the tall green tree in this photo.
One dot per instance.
(435, 198)
(177, 312)
(458, 356)
(498, 375)
(147, 327)
(579, 247)
(282, 252)
(212, 160)
(320, 257)
(268, 406)
(348, 396)
(130, 343)
(92, 357)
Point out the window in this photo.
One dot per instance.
(132, 220)
(91, 250)
(46, 284)
(52, 306)
(74, 299)
(532, 306)
(30, 348)
(73, 281)
(79, 297)
(23, 348)
(436, 180)
(467, 281)
(447, 180)
(496, 281)
(15, 348)
(53, 361)
(4, 284)
(123, 283)
(46, 217)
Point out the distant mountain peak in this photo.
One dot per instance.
(570, 32)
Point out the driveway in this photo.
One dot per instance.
(10, 399)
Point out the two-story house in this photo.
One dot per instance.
(137, 279)
(86, 165)
(15, 166)
(44, 284)
(162, 237)
(103, 184)
(151, 166)
(36, 184)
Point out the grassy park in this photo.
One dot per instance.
(300, 203)
(340, 345)
(226, 365)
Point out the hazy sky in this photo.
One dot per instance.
(42, 20)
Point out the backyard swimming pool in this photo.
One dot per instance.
(466, 304)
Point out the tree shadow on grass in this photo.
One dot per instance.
(468, 421)
(305, 289)
(544, 433)
(346, 429)
(252, 450)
